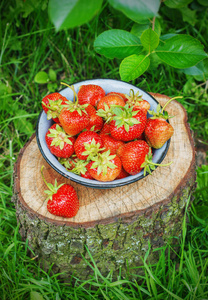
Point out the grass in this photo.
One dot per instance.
(30, 45)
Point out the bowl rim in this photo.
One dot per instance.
(94, 183)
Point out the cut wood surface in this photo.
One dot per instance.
(116, 225)
(101, 206)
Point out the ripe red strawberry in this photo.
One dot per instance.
(59, 143)
(96, 122)
(73, 117)
(105, 129)
(88, 144)
(137, 155)
(62, 200)
(52, 105)
(90, 94)
(128, 123)
(133, 156)
(158, 131)
(122, 174)
(110, 100)
(137, 101)
(109, 143)
(120, 94)
(105, 167)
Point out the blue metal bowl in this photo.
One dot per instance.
(109, 85)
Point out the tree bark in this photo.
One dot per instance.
(116, 225)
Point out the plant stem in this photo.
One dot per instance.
(177, 97)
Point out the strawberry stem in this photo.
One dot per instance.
(72, 88)
(155, 164)
(177, 97)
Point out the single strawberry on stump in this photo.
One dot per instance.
(104, 166)
(73, 116)
(158, 131)
(52, 105)
(62, 200)
(59, 142)
(128, 123)
(90, 94)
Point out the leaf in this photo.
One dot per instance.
(199, 71)
(138, 29)
(188, 15)
(117, 43)
(203, 2)
(181, 51)
(133, 66)
(41, 77)
(202, 182)
(149, 39)
(138, 11)
(68, 14)
(52, 75)
(177, 3)
(36, 296)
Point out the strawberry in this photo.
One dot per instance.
(105, 129)
(158, 131)
(120, 94)
(132, 156)
(90, 94)
(110, 100)
(88, 144)
(105, 167)
(128, 123)
(73, 117)
(137, 101)
(52, 105)
(80, 168)
(62, 200)
(59, 143)
(122, 174)
(109, 143)
(137, 155)
(96, 122)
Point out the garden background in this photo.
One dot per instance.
(36, 56)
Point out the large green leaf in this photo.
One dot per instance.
(181, 51)
(177, 3)
(117, 43)
(137, 10)
(149, 39)
(199, 71)
(69, 14)
(133, 66)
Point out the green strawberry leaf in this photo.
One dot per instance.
(69, 14)
(138, 11)
(150, 39)
(133, 66)
(181, 51)
(117, 43)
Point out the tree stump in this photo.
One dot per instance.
(115, 224)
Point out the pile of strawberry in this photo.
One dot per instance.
(103, 136)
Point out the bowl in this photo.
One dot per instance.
(109, 85)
